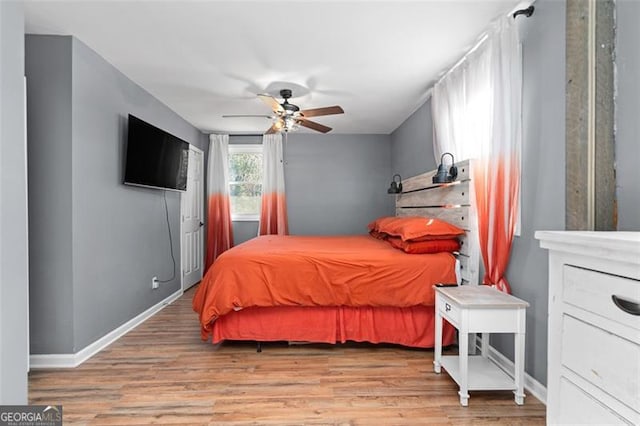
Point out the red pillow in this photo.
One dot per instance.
(425, 247)
(418, 228)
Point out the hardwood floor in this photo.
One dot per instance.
(162, 372)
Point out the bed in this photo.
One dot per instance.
(341, 288)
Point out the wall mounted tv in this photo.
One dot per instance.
(155, 158)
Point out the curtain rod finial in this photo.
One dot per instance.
(526, 12)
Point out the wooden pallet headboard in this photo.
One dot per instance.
(453, 202)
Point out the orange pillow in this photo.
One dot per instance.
(374, 227)
(376, 224)
(378, 235)
(425, 247)
(417, 228)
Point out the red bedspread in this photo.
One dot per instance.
(318, 271)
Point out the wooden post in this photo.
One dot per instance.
(590, 172)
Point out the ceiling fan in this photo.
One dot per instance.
(288, 117)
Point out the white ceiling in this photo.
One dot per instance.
(203, 59)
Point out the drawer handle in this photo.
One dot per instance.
(447, 307)
(626, 305)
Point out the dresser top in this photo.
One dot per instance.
(619, 246)
(594, 237)
(481, 296)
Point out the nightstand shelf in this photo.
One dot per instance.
(483, 374)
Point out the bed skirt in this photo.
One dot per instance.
(412, 327)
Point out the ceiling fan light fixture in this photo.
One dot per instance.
(290, 124)
(290, 109)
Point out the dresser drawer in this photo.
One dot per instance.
(593, 291)
(448, 310)
(576, 407)
(608, 361)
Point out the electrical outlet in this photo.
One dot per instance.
(154, 283)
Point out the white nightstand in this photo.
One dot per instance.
(485, 310)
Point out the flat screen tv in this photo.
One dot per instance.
(155, 158)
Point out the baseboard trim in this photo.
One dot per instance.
(536, 388)
(40, 361)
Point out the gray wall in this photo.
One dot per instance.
(412, 144)
(50, 178)
(244, 230)
(628, 115)
(102, 240)
(336, 184)
(14, 278)
(543, 152)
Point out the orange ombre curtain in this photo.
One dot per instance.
(497, 171)
(497, 187)
(219, 230)
(273, 210)
(477, 114)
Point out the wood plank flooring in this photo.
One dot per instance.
(162, 372)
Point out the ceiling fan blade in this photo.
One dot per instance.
(246, 115)
(314, 126)
(271, 102)
(315, 112)
(273, 129)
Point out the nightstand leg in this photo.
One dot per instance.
(437, 351)
(519, 367)
(463, 357)
(484, 351)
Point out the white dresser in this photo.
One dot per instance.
(594, 327)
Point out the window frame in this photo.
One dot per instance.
(245, 149)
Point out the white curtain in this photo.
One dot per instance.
(461, 107)
(477, 114)
(273, 210)
(448, 108)
(219, 226)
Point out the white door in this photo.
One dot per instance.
(192, 221)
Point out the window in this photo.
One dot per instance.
(245, 181)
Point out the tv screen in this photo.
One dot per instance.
(155, 158)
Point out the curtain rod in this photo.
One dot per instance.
(526, 12)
